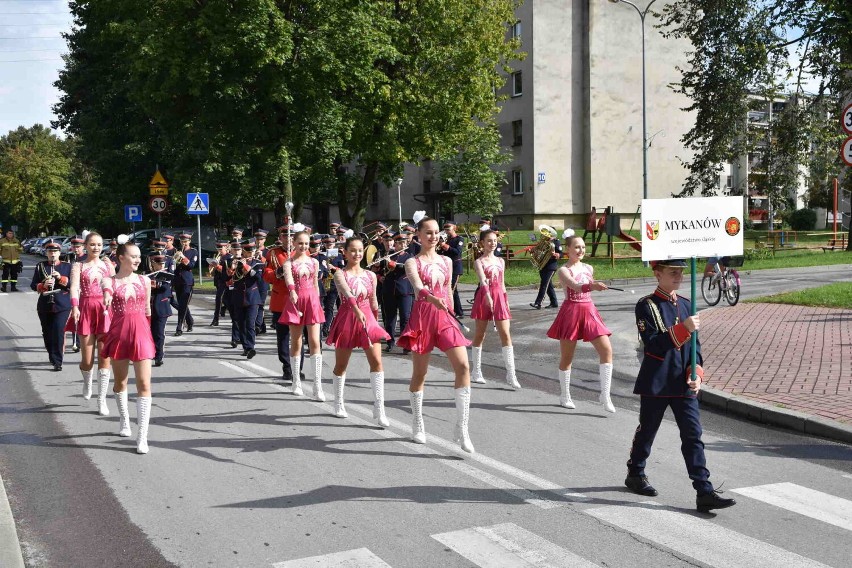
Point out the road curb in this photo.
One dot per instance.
(775, 416)
(10, 547)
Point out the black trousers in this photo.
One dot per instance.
(245, 317)
(546, 287)
(220, 308)
(10, 274)
(158, 332)
(394, 306)
(328, 303)
(457, 306)
(53, 333)
(685, 410)
(183, 297)
(259, 323)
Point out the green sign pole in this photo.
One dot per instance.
(694, 339)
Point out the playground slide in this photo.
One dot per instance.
(636, 244)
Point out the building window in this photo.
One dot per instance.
(517, 132)
(515, 30)
(517, 84)
(427, 186)
(374, 197)
(517, 182)
(730, 183)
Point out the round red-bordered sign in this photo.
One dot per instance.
(158, 205)
(846, 151)
(846, 119)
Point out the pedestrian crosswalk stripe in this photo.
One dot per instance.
(508, 546)
(808, 502)
(699, 539)
(357, 558)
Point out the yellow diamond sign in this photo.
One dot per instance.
(158, 184)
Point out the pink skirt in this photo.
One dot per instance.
(480, 310)
(93, 320)
(346, 331)
(576, 321)
(310, 306)
(130, 338)
(430, 327)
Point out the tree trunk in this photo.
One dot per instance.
(342, 193)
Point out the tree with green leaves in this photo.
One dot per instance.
(36, 178)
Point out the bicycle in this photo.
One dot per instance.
(725, 279)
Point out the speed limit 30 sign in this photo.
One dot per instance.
(158, 205)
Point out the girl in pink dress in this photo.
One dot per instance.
(579, 319)
(128, 297)
(356, 326)
(302, 308)
(88, 318)
(432, 325)
(491, 305)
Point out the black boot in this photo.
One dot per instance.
(639, 484)
(708, 501)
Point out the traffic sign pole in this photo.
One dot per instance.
(200, 271)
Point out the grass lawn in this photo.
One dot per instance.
(836, 295)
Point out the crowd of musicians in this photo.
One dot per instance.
(360, 291)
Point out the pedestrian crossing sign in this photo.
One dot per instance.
(198, 203)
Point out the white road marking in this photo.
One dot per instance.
(357, 558)
(507, 546)
(366, 418)
(847, 475)
(804, 501)
(237, 368)
(699, 539)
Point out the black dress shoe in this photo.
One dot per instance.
(639, 484)
(233, 344)
(250, 353)
(388, 347)
(158, 362)
(536, 306)
(178, 333)
(245, 352)
(551, 306)
(57, 367)
(705, 503)
(406, 351)
(214, 323)
(188, 328)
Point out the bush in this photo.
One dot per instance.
(803, 220)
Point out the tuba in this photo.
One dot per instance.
(542, 252)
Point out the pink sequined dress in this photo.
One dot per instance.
(308, 302)
(129, 335)
(346, 331)
(429, 326)
(86, 278)
(481, 311)
(578, 318)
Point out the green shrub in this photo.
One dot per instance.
(803, 220)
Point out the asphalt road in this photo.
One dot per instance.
(241, 473)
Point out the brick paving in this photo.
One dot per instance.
(793, 357)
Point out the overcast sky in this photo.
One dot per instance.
(30, 58)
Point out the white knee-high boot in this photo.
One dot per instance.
(143, 415)
(87, 383)
(605, 372)
(509, 362)
(418, 428)
(377, 383)
(476, 366)
(123, 414)
(462, 418)
(295, 365)
(103, 384)
(339, 408)
(565, 386)
(318, 393)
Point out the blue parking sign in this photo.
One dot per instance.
(133, 213)
(197, 203)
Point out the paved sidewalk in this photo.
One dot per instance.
(793, 358)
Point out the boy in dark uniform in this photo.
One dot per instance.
(665, 380)
(161, 295)
(226, 264)
(330, 300)
(397, 293)
(546, 275)
(262, 286)
(218, 276)
(245, 297)
(453, 249)
(184, 281)
(52, 280)
(76, 254)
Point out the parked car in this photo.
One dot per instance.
(144, 237)
(38, 248)
(28, 243)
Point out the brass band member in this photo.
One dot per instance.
(262, 286)
(184, 282)
(548, 270)
(219, 279)
(52, 280)
(273, 274)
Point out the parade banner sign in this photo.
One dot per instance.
(692, 227)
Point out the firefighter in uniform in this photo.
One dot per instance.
(52, 280)
(10, 253)
(665, 381)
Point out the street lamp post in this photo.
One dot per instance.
(642, 14)
(399, 199)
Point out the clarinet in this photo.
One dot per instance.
(51, 297)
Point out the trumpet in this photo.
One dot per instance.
(386, 257)
(178, 256)
(442, 237)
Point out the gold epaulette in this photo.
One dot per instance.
(656, 315)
